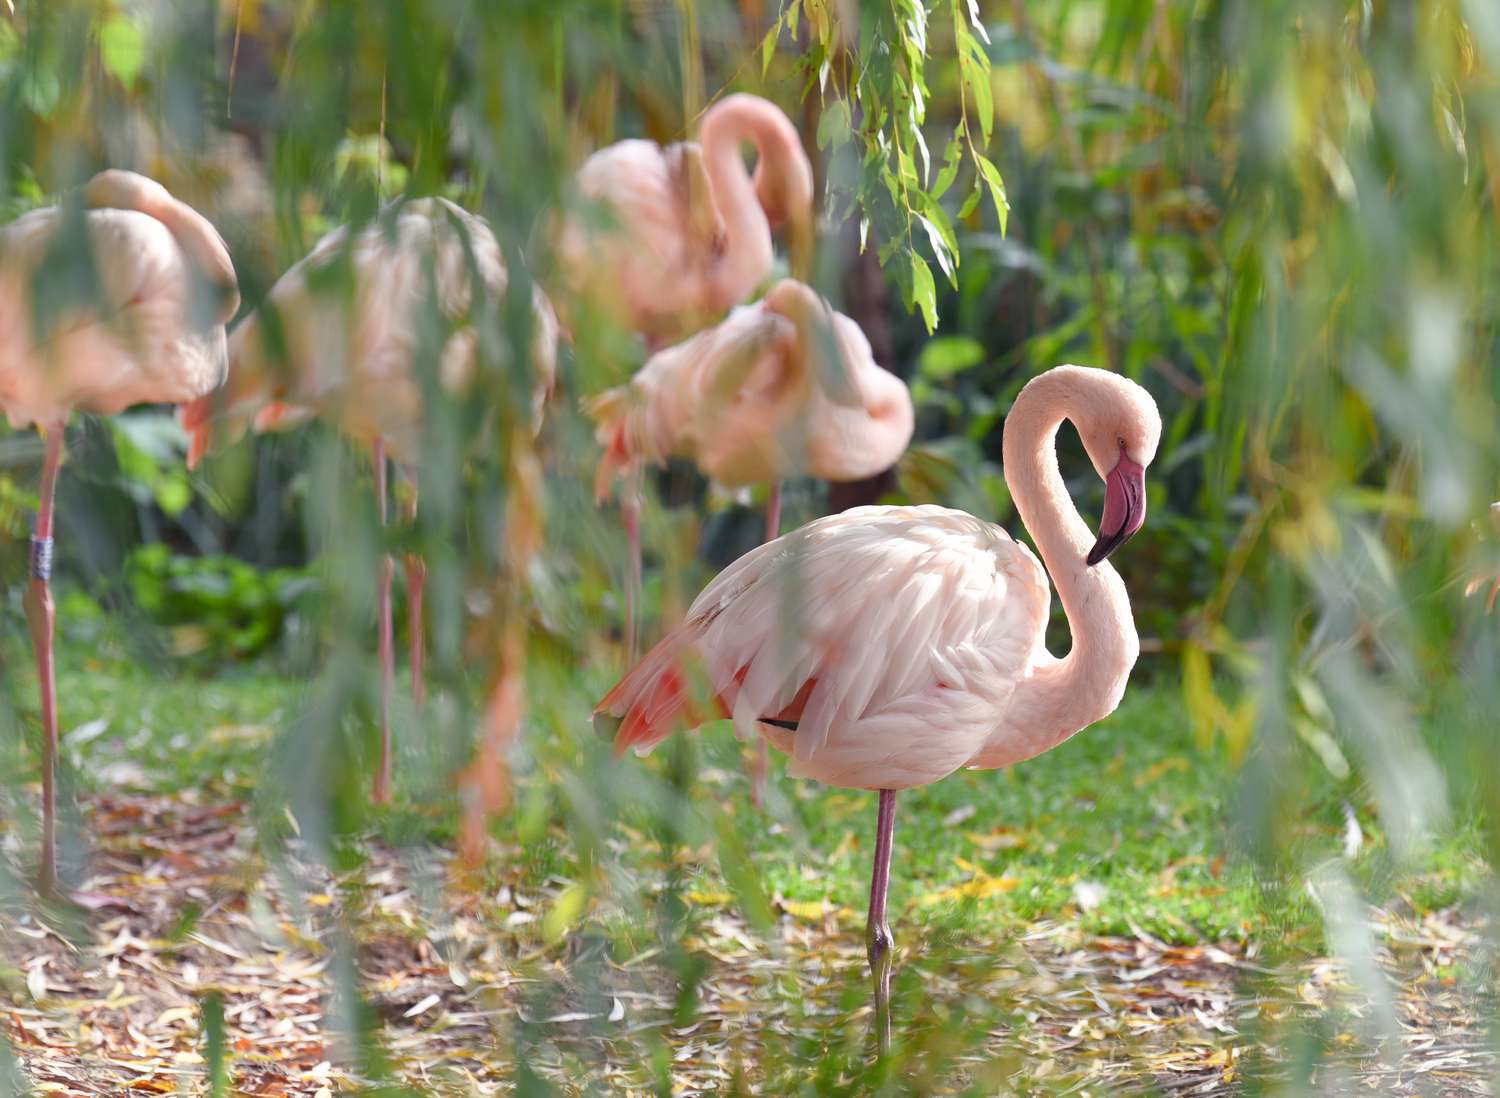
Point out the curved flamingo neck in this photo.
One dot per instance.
(748, 250)
(194, 233)
(1063, 695)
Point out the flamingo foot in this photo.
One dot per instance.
(878, 941)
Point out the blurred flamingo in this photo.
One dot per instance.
(122, 301)
(782, 386)
(683, 232)
(349, 351)
(885, 647)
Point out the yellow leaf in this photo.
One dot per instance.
(1156, 770)
(975, 889)
(708, 899)
(1002, 838)
(176, 1014)
(810, 910)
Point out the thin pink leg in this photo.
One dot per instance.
(381, 793)
(773, 512)
(416, 585)
(41, 616)
(630, 511)
(877, 932)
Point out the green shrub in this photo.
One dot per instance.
(216, 608)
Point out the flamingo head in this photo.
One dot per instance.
(1121, 434)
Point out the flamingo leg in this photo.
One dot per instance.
(416, 585)
(630, 511)
(877, 930)
(773, 512)
(381, 793)
(41, 617)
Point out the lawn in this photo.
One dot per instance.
(1087, 915)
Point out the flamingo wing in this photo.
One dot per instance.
(877, 647)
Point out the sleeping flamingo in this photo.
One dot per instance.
(123, 302)
(783, 386)
(916, 644)
(350, 349)
(687, 232)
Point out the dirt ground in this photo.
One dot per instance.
(181, 912)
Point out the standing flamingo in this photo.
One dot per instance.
(349, 351)
(917, 642)
(783, 386)
(123, 302)
(686, 229)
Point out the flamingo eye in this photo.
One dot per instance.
(1121, 441)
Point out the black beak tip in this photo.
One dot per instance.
(1106, 545)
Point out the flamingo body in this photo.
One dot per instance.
(677, 234)
(150, 329)
(348, 348)
(912, 627)
(783, 386)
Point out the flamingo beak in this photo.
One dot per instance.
(1124, 508)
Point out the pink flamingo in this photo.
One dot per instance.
(350, 354)
(782, 386)
(917, 640)
(688, 229)
(159, 287)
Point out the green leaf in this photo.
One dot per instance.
(923, 291)
(939, 248)
(768, 47)
(952, 156)
(834, 128)
(948, 355)
(122, 49)
(990, 175)
(970, 202)
(984, 95)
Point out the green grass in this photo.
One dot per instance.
(1126, 828)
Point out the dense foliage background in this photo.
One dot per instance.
(1278, 216)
